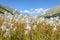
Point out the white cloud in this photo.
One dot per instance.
(38, 11)
(26, 11)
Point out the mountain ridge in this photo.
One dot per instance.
(52, 12)
(8, 9)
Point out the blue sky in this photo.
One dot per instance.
(22, 5)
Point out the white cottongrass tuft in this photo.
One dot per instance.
(7, 33)
(11, 25)
(41, 19)
(26, 32)
(3, 27)
(28, 27)
(51, 18)
(15, 28)
(54, 29)
(34, 27)
(7, 30)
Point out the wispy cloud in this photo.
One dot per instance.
(38, 11)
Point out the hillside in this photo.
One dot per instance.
(7, 9)
(53, 12)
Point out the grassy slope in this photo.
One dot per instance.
(53, 11)
(9, 9)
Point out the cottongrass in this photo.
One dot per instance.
(29, 28)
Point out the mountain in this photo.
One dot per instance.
(7, 9)
(53, 12)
